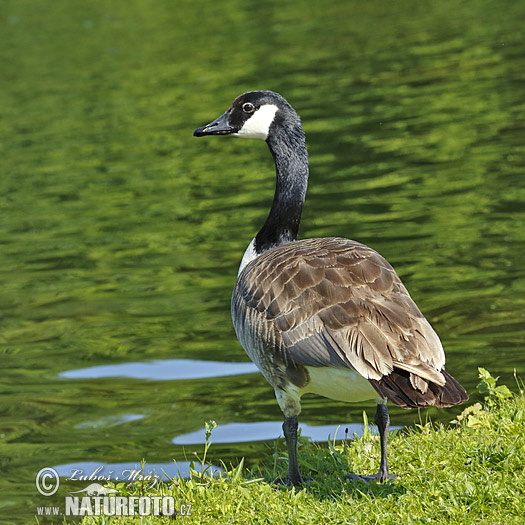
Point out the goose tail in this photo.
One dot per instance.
(398, 388)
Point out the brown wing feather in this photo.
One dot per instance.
(336, 302)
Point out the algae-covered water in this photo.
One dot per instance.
(121, 234)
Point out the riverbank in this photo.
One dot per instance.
(469, 472)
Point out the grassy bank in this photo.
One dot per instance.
(469, 472)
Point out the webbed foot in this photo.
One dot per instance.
(290, 483)
(380, 477)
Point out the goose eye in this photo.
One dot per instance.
(248, 107)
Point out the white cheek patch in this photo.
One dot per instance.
(258, 125)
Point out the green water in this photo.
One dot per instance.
(121, 234)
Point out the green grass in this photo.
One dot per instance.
(469, 472)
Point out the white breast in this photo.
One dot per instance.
(249, 255)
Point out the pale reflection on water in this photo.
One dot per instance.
(163, 370)
(109, 421)
(92, 471)
(266, 430)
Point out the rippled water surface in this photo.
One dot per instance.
(121, 234)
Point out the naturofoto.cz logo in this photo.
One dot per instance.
(123, 506)
(98, 500)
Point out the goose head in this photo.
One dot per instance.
(267, 115)
(255, 114)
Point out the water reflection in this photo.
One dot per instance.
(109, 421)
(163, 370)
(93, 471)
(267, 430)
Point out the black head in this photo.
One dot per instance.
(255, 114)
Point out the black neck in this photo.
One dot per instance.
(288, 148)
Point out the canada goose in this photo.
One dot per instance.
(328, 316)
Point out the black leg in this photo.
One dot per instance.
(382, 420)
(290, 433)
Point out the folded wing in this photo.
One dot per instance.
(334, 302)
